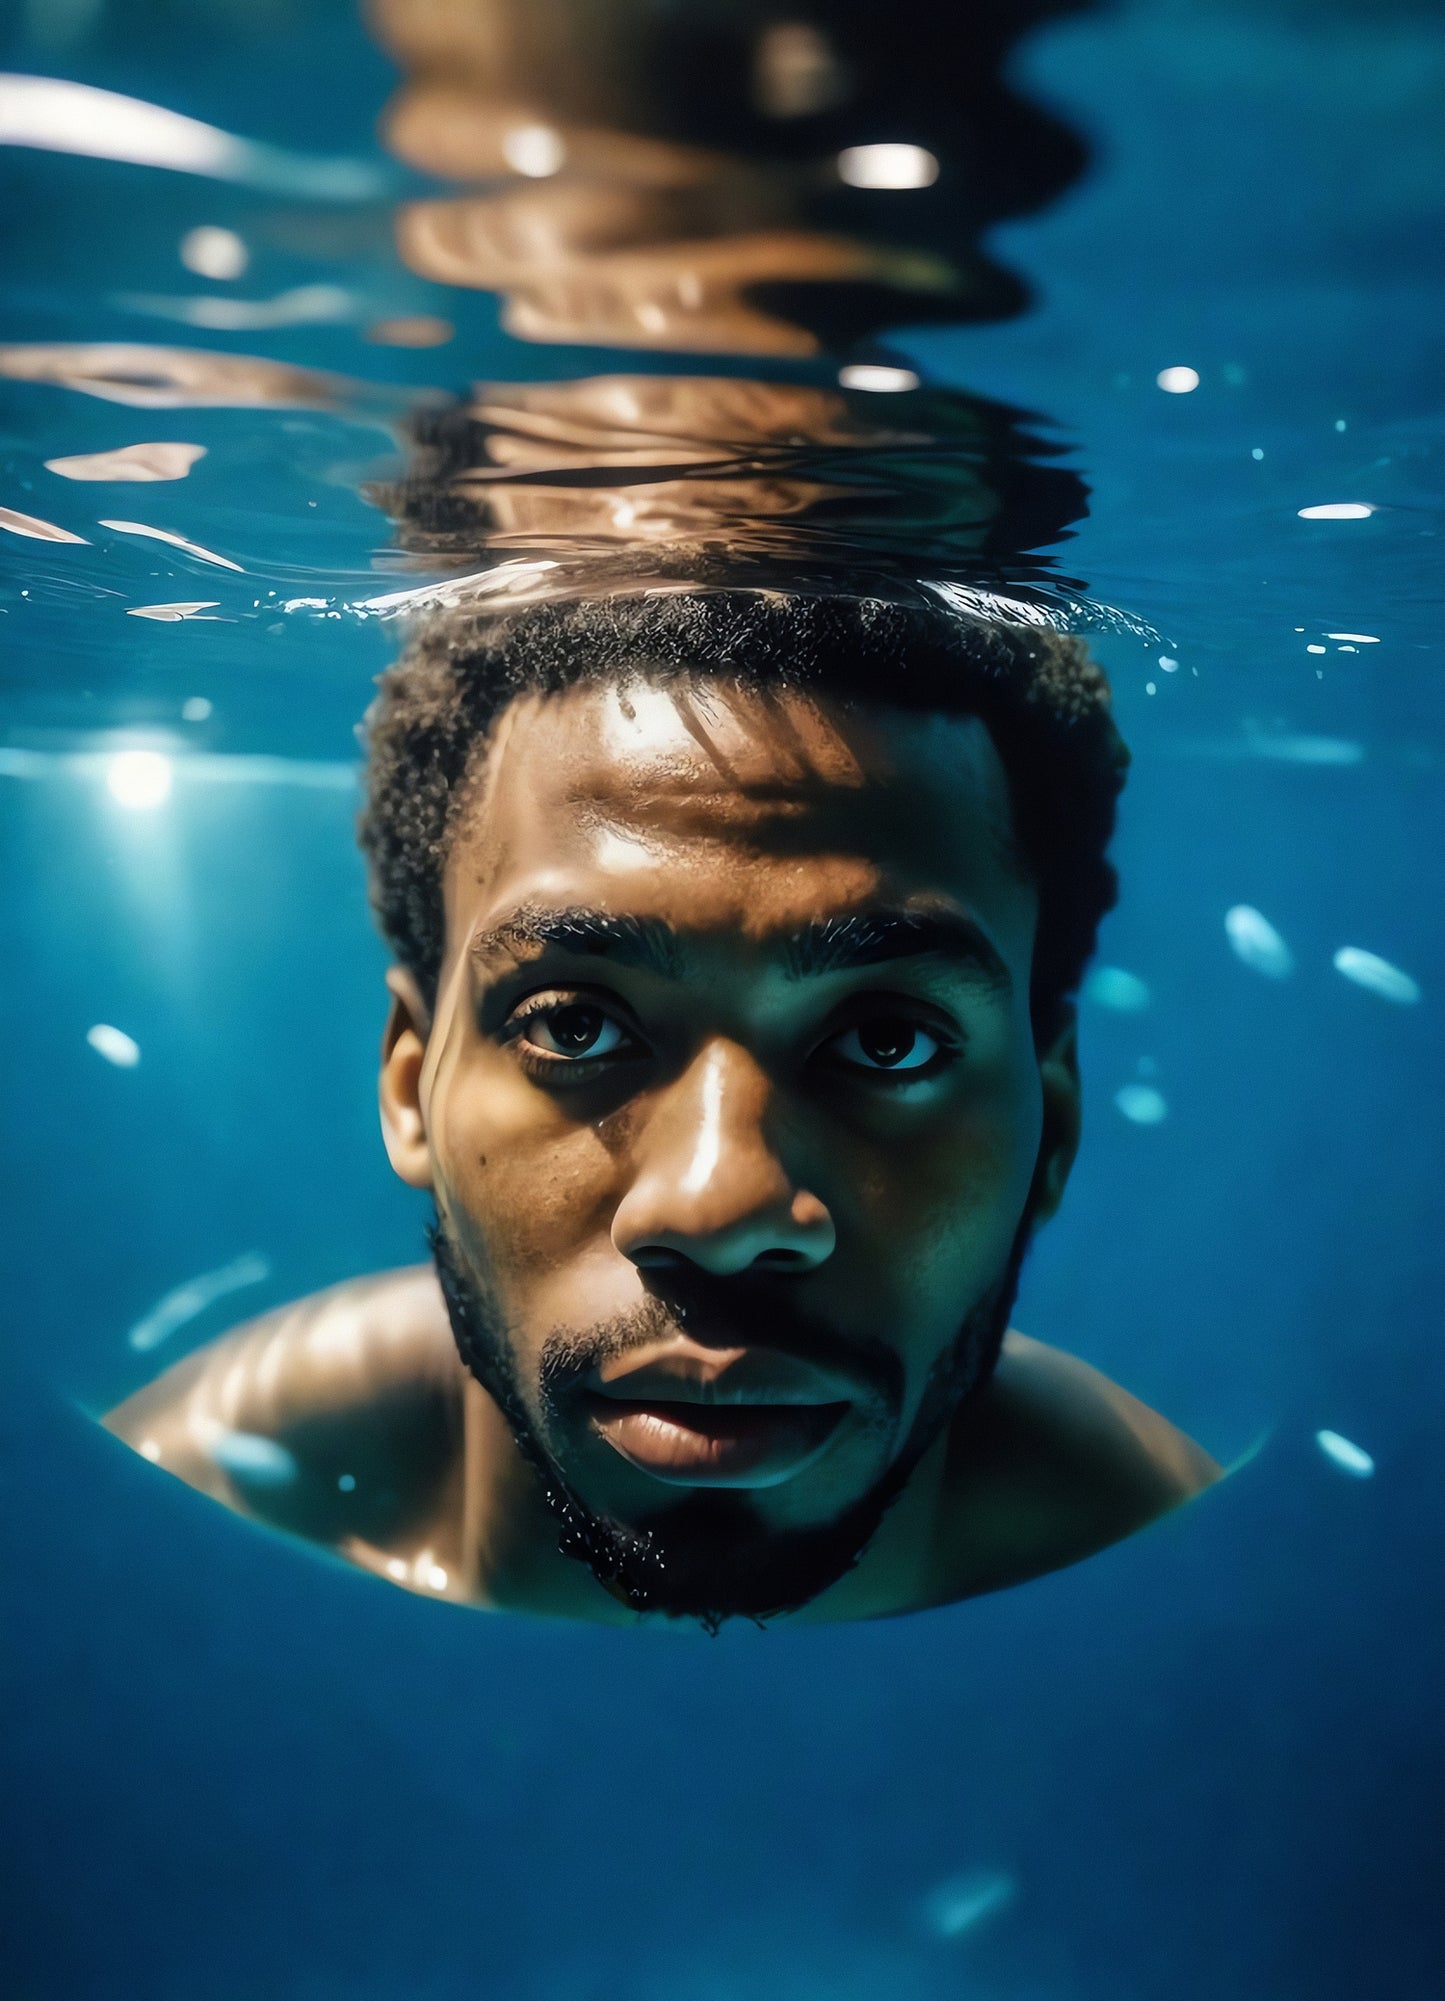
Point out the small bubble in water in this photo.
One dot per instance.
(1142, 1104)
(1377, 975)
(195, 709)
(1257, 453)
(114, 1045)
(1255, 942)
(1177, 381)
(347, 1483)
(1112, 987)
(1344, 1453)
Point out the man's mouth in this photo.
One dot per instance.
(722, 1444)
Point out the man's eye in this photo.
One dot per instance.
(576, 1032)
(886, 1043)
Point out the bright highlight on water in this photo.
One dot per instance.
(139, 779)
(887, 166)
(876, 378)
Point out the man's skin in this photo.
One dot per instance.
(716, 1088)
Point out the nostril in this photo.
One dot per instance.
(781, 1260)
(657, 1257)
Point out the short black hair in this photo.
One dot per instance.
(1041, 695)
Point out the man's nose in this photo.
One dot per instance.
(710, 1186)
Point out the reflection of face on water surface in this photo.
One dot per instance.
(693, 179)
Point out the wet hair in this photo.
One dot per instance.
(1043, 699)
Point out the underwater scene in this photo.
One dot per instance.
(823, 622)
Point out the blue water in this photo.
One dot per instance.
(1206, 1763)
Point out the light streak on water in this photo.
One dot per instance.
(1377, 975)
(172, 614)
(250, 1458)
(183, 1302)
(58, 116)
(32, 527)
(197, 767)
(162, 460)
(962, 1903)
(303, 305)
(176, 542)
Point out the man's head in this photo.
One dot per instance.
(731, 1031)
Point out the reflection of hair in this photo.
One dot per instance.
(1043, 699)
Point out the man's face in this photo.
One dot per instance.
(730, 1099)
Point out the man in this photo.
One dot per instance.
(731, 1032)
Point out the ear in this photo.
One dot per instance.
(403, 1049)
(1063, 1117)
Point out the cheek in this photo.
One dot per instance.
(942, 1209)
(531, 1189)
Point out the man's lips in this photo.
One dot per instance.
(715, 1443)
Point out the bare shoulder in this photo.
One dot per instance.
(358, 1387)
(1054, 1462)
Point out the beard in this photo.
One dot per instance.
(710, 1557)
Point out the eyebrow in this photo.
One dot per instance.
(829, 945)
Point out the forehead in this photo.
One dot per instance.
(721, 807)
